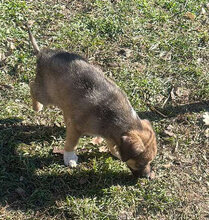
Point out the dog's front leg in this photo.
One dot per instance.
(113, 149)
(70, 157)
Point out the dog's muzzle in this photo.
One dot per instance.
(141, 173)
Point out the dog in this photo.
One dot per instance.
(92, 104)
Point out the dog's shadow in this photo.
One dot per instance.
(26, 183)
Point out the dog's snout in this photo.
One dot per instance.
(139, 174)
(142, 172)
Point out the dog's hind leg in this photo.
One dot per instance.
(37, 106)
(72, 137)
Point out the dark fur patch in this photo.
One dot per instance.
(67, 57)
(86, 83)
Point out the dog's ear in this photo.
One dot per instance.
(147, 134)
(131, 146)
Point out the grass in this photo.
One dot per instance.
(156, 53)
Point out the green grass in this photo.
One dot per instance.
(153, 52)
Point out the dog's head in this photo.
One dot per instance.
(138, 148)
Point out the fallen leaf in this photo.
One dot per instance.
(97, 140)
(207, 133)
(182, 92)
(58, 151)
(138, 38)
(168, 165)
(103, 149)
(206, 118)
(20, 192)
(113, 64)
(169, 133)
(190, 15)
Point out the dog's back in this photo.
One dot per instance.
(93, 101)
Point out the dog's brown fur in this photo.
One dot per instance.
(92, 104)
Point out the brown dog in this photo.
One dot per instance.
(92, 104)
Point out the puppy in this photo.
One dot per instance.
(92, 104)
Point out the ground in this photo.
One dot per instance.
(157, 51)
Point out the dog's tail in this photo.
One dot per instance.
(33, 40)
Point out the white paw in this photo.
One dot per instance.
(70, 159)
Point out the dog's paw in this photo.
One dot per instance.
(70, 159)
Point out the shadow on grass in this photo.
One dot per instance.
(173, 111)
(24, 183)
(23, 187)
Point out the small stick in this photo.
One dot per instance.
(157, 111)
